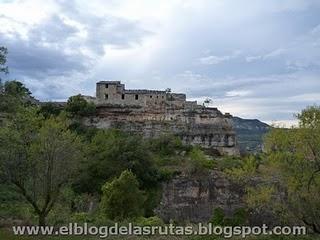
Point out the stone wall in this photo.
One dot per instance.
(113, 92)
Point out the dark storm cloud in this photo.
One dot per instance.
(62, 45)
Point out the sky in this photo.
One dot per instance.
(255, 59)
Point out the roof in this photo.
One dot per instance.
(109, 82)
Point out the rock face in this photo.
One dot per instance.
(152, 113)
(193, 199)
(188, 199)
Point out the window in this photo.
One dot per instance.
(150, 96)
(122, 96)
(137, 96)
(157, 96)
(107, 85)
(106, 96)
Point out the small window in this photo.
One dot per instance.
(162, 96)
(150, 96)
(106, 96)
(107, 85)
(157, 96)
(122, 96)
(137, 96)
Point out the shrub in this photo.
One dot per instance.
(151, 221)
(247, 169)
(228, 162)
(166, 145)
(81, 217)
(238, 218)
(198, 161)
(78, 106)
(122, 198)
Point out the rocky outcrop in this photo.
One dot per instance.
(193, 199)
(206, 127)
(153, 112)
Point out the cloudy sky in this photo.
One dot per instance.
(254, 58)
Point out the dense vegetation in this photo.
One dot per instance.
(53, 167)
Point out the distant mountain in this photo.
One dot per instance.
(250, 133)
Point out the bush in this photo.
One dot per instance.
(109, 153)
(165, 145)
(151, 221)
(228, 162)
(238, 218)
(121, 198)
(50, 109)
(81, 217)
(247, 169)
(198, 162)
(78, 106)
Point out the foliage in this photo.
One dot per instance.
(259, 196)
(78, 106)
(122, 198)
(247, 170)
(13, 96)
(50, 109)
(238, 218)
(150, 221)
(12, 204)
(218, 217)
(293, 162)
(82, 217)
(109, 153)
(165, 145)
(152, 200)
(228, 162)
(198, 162)
(3, 60)
(41, 158)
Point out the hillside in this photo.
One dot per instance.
(250, 133)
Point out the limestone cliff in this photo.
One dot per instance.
(188, 198)
(152, 113)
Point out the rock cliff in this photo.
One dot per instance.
(152, 113)
(206, 127)
(188, 198)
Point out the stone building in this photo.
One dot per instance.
(114, 92)
(152, 113)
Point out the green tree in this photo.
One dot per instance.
(122, 198)
(3, 60)
(247, 170)
(50, 109)
(109, 153)
(78, 106)
(198, 162)
(14, 95)
(39, 157)
(292, 170)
